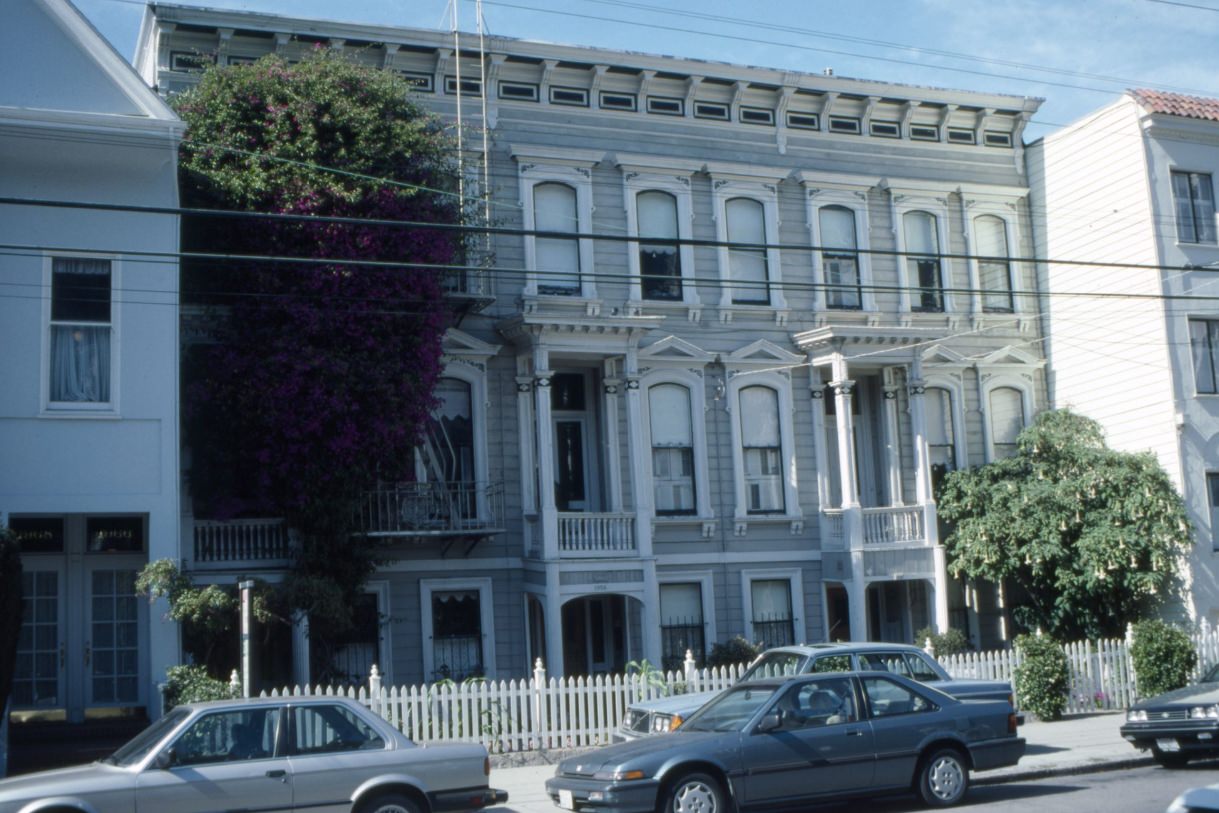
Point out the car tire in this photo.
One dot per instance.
(1169, 759)
(695, 793)
(389, 803)
(943, 777)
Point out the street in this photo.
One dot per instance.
(1137, 790)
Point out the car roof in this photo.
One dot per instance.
(255, 702)
(842, 648)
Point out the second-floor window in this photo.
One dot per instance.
(1193, 196)
(923, 262)
(994, 270)
(748, 269)
(941, 438)
(1006, 420)
(659, 258)
(80, 369)
(1204, 342)
(557, 258)
(761, 450)
(672, 449)
(839, 258)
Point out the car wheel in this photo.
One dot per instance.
(389, 803)
(1167, 759)
(943, 777)
(695, 793)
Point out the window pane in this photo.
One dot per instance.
(748, 269)
(659, 263)
(921, 236)
(657, 215)
(838, 258)
(1006, 419)
(329, 729)
(837, 227)
(558, 259)
(1204, 207)
(1204, 367)
(1184, 207)
(759, 417)
(669, 414)
(938, 408)
(994, 275)
(457, 634)
(80, 290)
(80, 364)
(681, 603)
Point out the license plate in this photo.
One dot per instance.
(565, 800)
(1168, 745)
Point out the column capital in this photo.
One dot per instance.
(632, 382)
(542, 381)
(843, 387)
(524, 384)
(610, 386)
(891, 393)
(916, 386)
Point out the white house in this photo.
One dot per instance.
(718, 406)
(89, 446)
(1127, 193)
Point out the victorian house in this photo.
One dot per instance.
(739, 322)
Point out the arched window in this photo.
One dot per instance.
(672, 449)
(839, 258)
(556, 259)
(941, 437)
(922, 261)
(748, 271)
(994, 270)
(761, 450)
(659, 258)
(1007, 419)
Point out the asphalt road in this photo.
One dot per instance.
(1136, 790)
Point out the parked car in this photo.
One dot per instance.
(660, 715)
(780, 742)
(1196, 800)
(321, 754)
(1178, 725)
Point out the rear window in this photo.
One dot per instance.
(831, 663)
(774, 664)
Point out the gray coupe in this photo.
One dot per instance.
(321, 754)
(776, 743)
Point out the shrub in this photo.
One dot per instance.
(949, 643)
(192, 684)
(1163, 657)
(1043, 677)
(733, 651)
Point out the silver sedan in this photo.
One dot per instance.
(321, 754)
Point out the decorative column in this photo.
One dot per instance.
(610, 387)
(922, 485)
(852, 516)
(640, 456)
(893, 455)
(544, 428)
(554, 623)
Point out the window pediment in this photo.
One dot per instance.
(762, 352)
(673, 349)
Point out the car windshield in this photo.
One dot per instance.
(730, 711)
(774, 664)
(139, 747)
(1212, 676)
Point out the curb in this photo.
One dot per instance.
(1032, 774)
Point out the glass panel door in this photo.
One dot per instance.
(37, 682)
(112, 645)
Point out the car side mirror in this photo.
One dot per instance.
(165, 760)
(770, 722)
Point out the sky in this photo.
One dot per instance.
(1078, 55)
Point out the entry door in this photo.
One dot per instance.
(600, 628)
(112, 634)
(38, 682)
(573, 475)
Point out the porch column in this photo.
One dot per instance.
(554, 624)
(525, 439)
(640, 457)
(852, 516)
(651, 613)
(545, 460)
(922, 484)
(610, 441)
(893, 455)
(857, 599)
(300, 650)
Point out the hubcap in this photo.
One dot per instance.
(694, 797)
(946, 779)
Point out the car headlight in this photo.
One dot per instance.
(618, 776)
(660, 723)
(1136, 716)
(1204, 713)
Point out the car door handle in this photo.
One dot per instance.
(279, 773)
(854, 732)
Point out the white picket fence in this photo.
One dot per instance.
(523, 715)
(542, 713)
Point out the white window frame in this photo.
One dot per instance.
(79, 409)
(795, 580)
(477, 381)
(706, 583)
(956, 394)
(766, 193)
(791, 496)
(902, 205)
(1212, 509)
(698, 408)
(571, 168)
(857, 203)
(486, 619)
(1008, 214)
(1172, 194)
(676, 184)
(999, 381)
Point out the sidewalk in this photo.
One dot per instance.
(1076, 744)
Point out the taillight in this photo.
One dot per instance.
(1012, 722)
(486, 766)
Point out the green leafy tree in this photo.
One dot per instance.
(1092, 538)
(320, 374)
(10, 611)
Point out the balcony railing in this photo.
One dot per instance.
(884, 526)
(596, 534)
(242, 543)
(434, 509)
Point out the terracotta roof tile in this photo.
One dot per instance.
(1177, 104)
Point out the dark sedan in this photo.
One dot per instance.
(1179, 725)
(778, 742)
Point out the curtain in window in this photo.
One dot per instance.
(747, 269)
(452, 437)
(80, 351)
(659, 262)
(994, 276)
(940, 437)
(557, 258)
(772, 612)
(759, 416)
(672, 448)
(921, 238)
(838, 257)
(1006, 419)
(681, 603)
(761, 449)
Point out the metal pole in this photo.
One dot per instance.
(246, 587)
